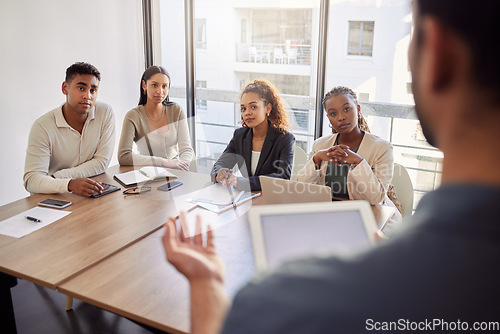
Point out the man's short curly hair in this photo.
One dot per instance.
(81, 68)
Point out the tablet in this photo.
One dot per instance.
(107, 189)
(282, 232)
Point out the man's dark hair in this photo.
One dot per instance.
(476, 22)
(81, 68)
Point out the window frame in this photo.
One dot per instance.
(360, 48)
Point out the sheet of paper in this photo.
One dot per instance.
(182, 204)
(208, 218)
(18, 226)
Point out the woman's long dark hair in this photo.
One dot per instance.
(148, 73)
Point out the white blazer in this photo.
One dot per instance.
(368, 180)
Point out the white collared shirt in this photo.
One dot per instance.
(255, 161)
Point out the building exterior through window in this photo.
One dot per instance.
(360, 38)
(240, 41)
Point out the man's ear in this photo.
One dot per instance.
(442, 54)
(65, 87)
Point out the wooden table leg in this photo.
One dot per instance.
(69, 302)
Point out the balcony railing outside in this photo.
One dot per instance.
(288, 53)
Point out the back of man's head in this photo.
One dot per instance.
(476, 22)
(81, 68)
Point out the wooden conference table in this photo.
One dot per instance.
(95, 229)
(139, 284)
(108, 251)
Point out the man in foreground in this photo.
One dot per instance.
(73, 142)
(439, 275)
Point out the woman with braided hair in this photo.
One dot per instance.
(352, 161)
(262, 146)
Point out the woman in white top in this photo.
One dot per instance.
(353, 162)
(158, 127)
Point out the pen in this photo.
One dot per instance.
(240, 195)
(33, 219)
(230, 189)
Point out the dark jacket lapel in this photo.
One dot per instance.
(267, 147)
(247, 150)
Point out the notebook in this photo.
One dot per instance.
(281, 191)
(286, 231)
(218, 198)
(143, 175)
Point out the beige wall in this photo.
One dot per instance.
(38, 41)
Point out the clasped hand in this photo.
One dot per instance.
(337, 154)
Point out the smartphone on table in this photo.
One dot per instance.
(170, 185)
(54, 203)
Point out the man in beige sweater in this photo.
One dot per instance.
(72, 142)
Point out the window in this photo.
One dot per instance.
(279, 42)
(360, 38)
(243, 31)
(228, 67)
(201, 104)
(200, 34)
(363, 96)
(409, 88)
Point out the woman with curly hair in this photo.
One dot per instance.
(354, 163)
(262, 146)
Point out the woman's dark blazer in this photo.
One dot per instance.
(275, 160)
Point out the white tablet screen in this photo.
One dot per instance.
(290, 235)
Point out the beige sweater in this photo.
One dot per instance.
(168, 142)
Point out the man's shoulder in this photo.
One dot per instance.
(49, 118)
(102, 107)
(416, 276)
(459, 207)
(103, 112)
